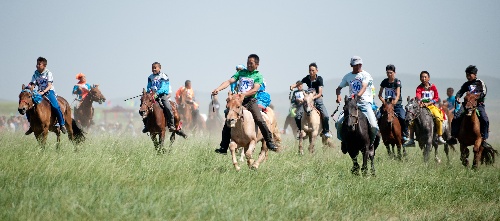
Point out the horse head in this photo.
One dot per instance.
(470, 103)
(309, 101)
(412, 109)
(235, 109)
(96, 95)
(25, 100)
(388, 111)
(351, 112)
(147, 102)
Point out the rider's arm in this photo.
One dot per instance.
(435, 99)
(49, 86)
(224, 85)
(75, 89)
(337, 92)
(380, 94)
(320, 92)
(363, 89)
(252, 91)
(398, 93)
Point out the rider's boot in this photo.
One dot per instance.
(411, 141)
(63, 129)
(440, 140)
(485, 144)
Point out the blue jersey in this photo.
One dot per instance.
(159, 83)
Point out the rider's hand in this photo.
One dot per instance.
(215, 92)
(339, 99)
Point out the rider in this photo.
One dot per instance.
(392, 87)
(186, 94)
(44, 80)
(313, 80)
(82, 88)
(476, 86)
(249, 82)
(159, 83)
(360, 83)
(427, 95)
(297, 100)
(453, 107)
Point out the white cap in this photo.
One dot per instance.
(356, 60)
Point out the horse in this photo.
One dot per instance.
(244, 131)
(85, 112)
(42, 119)
(192, 120)
(390, 129)
(214, 119)
(470, 134)
(311, 124)
(156, 122)
(290, 121)
(447, 126)
(356, 136)
(423, 125)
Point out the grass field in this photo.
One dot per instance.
(122, 178)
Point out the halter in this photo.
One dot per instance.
(415, 115)
(150, 108)
(27, 101)
(355, 116)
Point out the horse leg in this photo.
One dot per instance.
(232, 148)
(371, 154)
(478, 150)
(446, 151)
(312, 142)
(301, 140)
(427, 150)
(249, 152)
(262, 156)
(364, 166)
(436, 158)
(388, 147)
(162, 141)
(172, 138)
(355, 165)
(155, 141)
(464, 155)
(398, 146)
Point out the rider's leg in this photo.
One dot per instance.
(226, 138)
(484, 123)
(55, 105)
(326, 125)
(411, 141)
(400, 112)
(298, 117)
(438, 122)
(251, 105)
(167, 111)
(366, 108)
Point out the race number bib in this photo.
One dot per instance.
(427, 95)
(390, 93)
(42, 82)
(472, 89)
(245, 84)
(355, 86)
(299, 95)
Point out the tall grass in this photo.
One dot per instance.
(122, 178)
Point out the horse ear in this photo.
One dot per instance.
(143, 91)
(22, 87)
(408, 99)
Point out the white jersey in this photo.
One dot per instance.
(42, 79)
(355, 83)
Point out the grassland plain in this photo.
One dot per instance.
(122, 178)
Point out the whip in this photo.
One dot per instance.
(133, 97)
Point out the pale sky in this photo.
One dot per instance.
(115, 42)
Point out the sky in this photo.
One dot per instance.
(115, 42)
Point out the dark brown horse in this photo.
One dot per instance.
(84, 113)
(390, 129)
(42, 119)
(191, 119)
(470, 135)
(156, 122)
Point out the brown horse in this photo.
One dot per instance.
(470, 135)
(311, 124)
(42, 119)
(85, 112)
(244, 132)
(156, 122)
(390, 129)
(191, 119)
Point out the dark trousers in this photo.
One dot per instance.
(484, 123)
(318, 103)
(251, 105)
(167, 109)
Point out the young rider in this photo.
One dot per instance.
(82, 88)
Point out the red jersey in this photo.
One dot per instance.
(427, 95)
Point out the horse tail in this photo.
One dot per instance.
(488, 155)
(78, 133)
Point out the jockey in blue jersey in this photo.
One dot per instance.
(43, 79)
(159, 83)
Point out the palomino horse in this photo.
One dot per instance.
(244, 131)
(356, 136)
(214, 120)
(390, 129)
(151, 110)
(311, 124)
(85, 112)
(423, 125)
(42, 119)
(470, 134)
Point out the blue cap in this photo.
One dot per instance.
(240, 67)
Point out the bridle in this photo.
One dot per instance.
(356, 116)
(414, 115)
(27, 101)
(150, 107)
